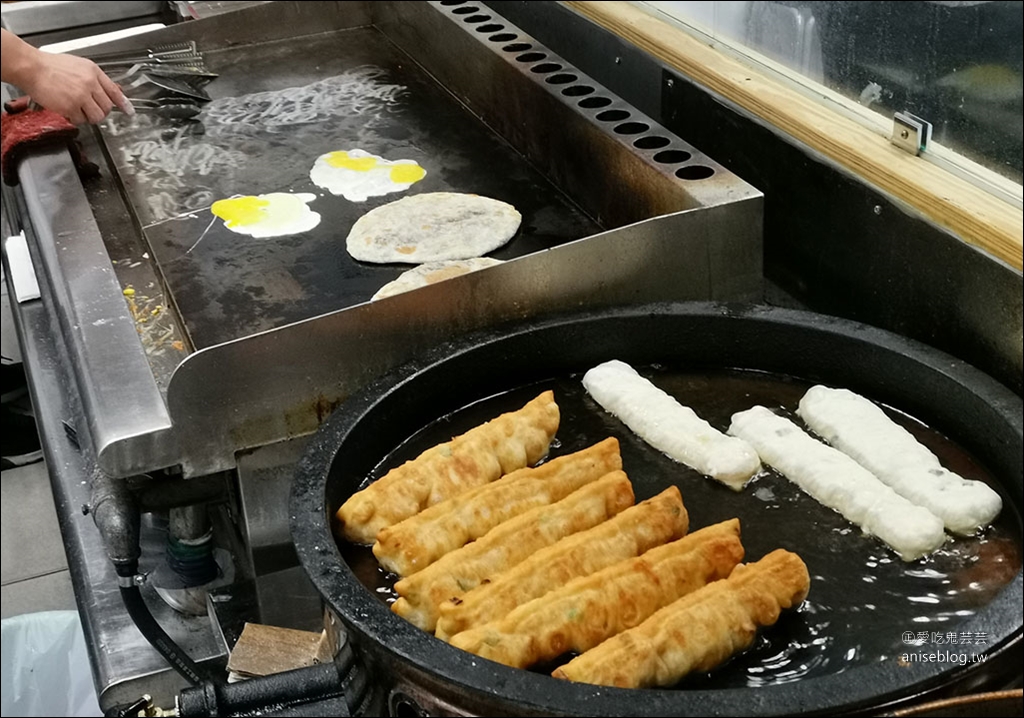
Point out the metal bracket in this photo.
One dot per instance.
(910, 132)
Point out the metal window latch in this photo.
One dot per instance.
(911, 133)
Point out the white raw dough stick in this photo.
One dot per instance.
(670, 427)
(860, 429)
(839, 482)
(432, 227)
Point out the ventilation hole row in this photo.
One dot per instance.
(649, 142)
(475, 19)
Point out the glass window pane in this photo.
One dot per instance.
(955, 64)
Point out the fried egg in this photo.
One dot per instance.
(357, 175)
(267, 215)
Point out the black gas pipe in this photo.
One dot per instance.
(117, 516)
(323, 689)
(314, 690)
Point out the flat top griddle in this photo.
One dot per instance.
(337, 91)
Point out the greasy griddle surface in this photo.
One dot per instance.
(864, 602)
(230, 285)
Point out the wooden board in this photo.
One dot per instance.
(263, 650)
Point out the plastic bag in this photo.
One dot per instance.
(46, 669)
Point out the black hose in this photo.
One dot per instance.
(179, 660)
(117, 516)
(313, 690)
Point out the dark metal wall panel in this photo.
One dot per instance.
(845, 248)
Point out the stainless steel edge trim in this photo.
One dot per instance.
(126, 416)
(253, 23)
(34, 17)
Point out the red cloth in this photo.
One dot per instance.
(22, 130)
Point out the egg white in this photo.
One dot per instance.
(276, 214)
(357, 175)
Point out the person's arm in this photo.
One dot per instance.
(71, 86)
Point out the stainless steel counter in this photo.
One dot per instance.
(124, 664)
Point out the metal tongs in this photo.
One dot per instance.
(169, 107)
(166, 80)
(151, 86)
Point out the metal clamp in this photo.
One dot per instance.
(911, 133)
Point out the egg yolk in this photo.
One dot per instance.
(398, 173)
(407, 174)
(240, 211)
(342, 160)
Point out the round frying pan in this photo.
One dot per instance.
(848, 649)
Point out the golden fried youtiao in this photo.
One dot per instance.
(591, 609)
(480, 456)
(650, 523)
(419, 540)
(697, 632)
(508, 543)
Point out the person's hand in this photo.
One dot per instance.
(74, 87)
(68, 85)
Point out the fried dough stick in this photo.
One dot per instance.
(592, 609)
(480, 456)
(648, 524)
(697, 632)
(422, 593)
(419, 540)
